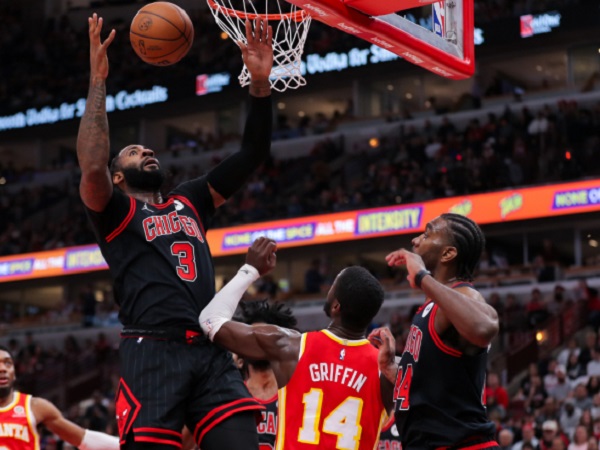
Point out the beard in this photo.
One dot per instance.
(6, 390)
(143, 180)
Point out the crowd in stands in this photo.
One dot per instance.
(55, 68)
(413, 164)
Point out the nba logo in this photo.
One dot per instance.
(439, 19)
(342, 354)
(526, 26)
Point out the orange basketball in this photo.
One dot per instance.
(161, 33)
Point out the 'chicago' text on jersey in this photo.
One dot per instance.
(155, 226)
(413, 342)
(268, 424)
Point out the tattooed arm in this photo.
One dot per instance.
(92, 141)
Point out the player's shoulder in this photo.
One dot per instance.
(43, 409)
(468, 289)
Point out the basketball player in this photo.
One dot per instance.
(440, 379)
(155, 246)
(20, 414)
(260, 377)
(389, 439)
(331, 395)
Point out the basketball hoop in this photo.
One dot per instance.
(289, 36)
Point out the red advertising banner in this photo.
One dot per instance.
(494, 207)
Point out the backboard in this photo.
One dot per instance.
(447, 50)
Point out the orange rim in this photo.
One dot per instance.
(297, 16)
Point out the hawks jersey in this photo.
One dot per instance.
(158, 255)
(333, 399)
(267, 428)
(439, 390)
(389, 439)
(17, 425)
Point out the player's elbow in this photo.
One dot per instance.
(485, 332)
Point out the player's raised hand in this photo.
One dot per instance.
(98, 58)
(412, 261)
(257, 52)
(262, 256)
(383, 339)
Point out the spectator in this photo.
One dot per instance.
(313, 279)
(575, 369)
(595, 410)
(528, 438)
(572, 347)
(580, 439)
(505, 439)
(563, 387)
(550, 379)
(496, 395)
(585, 355)
(96, 415)
(550, 432)
(560, 300)
(537, 312)
(558, 444)
(569, 417)
(513, 314)
(593, 385)
(548, 412)
(593, 366)
(581, 397)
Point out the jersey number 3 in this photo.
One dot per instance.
(343, 421)
(186, 269)
(402, 388)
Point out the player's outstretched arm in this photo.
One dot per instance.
(257, 341)
(49, 415)
(92, 141)
(464, 308)
(231, 174)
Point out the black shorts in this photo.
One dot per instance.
(171, 378)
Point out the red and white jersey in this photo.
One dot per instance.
(17, 425)
(333, 400)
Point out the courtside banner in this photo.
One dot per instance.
(494, 207)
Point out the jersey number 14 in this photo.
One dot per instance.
(343, 421)
(402, 387)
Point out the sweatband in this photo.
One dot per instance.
(231, 174)
(223, 305)
(94, 440)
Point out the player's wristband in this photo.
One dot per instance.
(94, 440)
(223, 305)
(420, 275)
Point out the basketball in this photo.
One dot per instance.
(161, 33)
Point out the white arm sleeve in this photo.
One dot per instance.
(94, 440)
(223, 305)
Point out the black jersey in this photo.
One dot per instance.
(158, 255)
(389, 438)
(267, 428)
(439, 390)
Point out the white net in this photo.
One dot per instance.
(289, 35)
